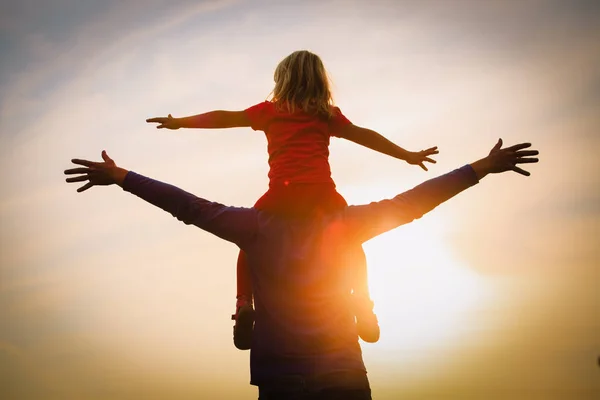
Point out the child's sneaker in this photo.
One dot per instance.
(366, 320)
(244, 324)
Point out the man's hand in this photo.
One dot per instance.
(419, 157)
(501, 160)
(96, 173)
(165, 122)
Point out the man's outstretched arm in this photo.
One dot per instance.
(364, 222)
(237, 225)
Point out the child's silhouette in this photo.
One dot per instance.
(298, 122)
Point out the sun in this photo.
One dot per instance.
(426, 300)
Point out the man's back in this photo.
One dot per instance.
(304, 324)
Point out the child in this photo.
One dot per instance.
(298, 122)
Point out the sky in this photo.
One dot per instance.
(495, 294)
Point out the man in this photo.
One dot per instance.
(305, 344)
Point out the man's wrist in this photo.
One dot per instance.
(118, 175)
(481, 168)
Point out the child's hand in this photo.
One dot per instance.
(419, 157)
(165, 122)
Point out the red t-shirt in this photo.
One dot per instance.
(298, 143)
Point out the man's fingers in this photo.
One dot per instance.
(517, 147)
(160, 126)
(77, 171)
(422, 166)
(520, 171)
(431, 150)
(80, 178)
(526, 160)
(85, 187)
(159, 120)
(527, 153)
(498, 145)
(430, 160)
(84, 162)
(105, 156)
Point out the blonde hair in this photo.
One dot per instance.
(301, 81)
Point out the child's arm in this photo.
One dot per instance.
(211, 120)
(375, 141)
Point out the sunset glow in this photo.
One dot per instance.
(493, 295)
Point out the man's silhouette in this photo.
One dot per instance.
(305, 343)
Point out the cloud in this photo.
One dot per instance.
(55, 52)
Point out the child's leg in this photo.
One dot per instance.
(244, 281)
(244, 312)
(366, 320)
(368, 326)
(360, 281)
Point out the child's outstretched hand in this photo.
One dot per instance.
(419, 157)
(165, 122)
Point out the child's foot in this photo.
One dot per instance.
(366, 320)
(244, 324)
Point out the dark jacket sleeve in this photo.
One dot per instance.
(234, 224)
(364, 222)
